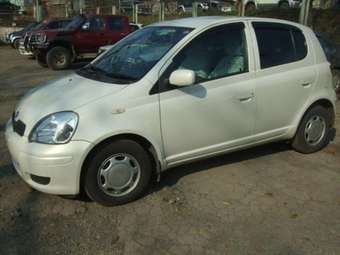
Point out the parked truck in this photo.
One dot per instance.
(81, 38)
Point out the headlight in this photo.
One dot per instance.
(56, 128)
(41, 38)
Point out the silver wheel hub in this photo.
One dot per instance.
(315, 130)
(119, 174)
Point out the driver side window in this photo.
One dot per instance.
(216, 53)
(96, 24)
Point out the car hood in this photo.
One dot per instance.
(17, 33)
(66, 94)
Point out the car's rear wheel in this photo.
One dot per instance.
(118, 173)
(58, 58)
(313, 132)
(41, 59)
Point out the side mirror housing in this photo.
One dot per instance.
(86, 26)
(182, 77)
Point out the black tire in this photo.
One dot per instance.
(300, 141)
(16, 43)
(58, 58)
(41, 59)
(91, 179)
(250, 8)
(284, 5)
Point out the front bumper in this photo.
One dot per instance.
(23, 51)
(60, 165)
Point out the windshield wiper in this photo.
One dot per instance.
(122, 77)
(100, 74)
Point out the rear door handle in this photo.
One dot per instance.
(306, 84)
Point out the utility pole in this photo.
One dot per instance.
(304, 12)
(38, 10)
(162, 11)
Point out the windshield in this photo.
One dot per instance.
(29, 27)
(40, 25)
(75, 23)
(131, 59)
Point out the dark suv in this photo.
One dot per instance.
(48, 24)
(81, 38)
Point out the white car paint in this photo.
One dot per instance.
(240, 111)
(272, 3)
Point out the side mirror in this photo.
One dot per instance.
(86, 26)
(182, 77)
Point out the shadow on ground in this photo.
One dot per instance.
(172, 176)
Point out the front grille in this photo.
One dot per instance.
(26, 40)
(33, 38)
(18, 126)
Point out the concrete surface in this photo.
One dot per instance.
(266, 200)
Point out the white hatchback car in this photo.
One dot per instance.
(169, 94)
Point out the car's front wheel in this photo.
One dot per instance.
(314, 130)
(119, 172)
(58, 58)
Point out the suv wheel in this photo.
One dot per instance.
(313, 132)
(41, 59)
(119, 173)
(58, 58)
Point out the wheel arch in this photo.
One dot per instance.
(323, 101)
(62, 43)
(144, 142)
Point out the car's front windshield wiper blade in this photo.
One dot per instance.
(97, 72)
(122, 77)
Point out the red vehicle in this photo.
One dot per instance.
(81, 38)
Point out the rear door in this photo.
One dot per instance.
(285, 76)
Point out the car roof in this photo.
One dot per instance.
(199, 22)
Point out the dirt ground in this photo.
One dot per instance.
(266, 200)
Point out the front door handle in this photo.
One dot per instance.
(246, 98)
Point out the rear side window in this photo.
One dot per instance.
(279, 44)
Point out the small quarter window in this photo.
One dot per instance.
(300, 45)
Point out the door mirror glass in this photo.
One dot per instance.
(182, 77)
(86, 26)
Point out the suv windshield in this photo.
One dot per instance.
(75, 23)
(134, 56)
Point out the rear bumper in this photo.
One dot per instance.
(53, 169)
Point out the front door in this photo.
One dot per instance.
(91, 36)
(218, 111)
